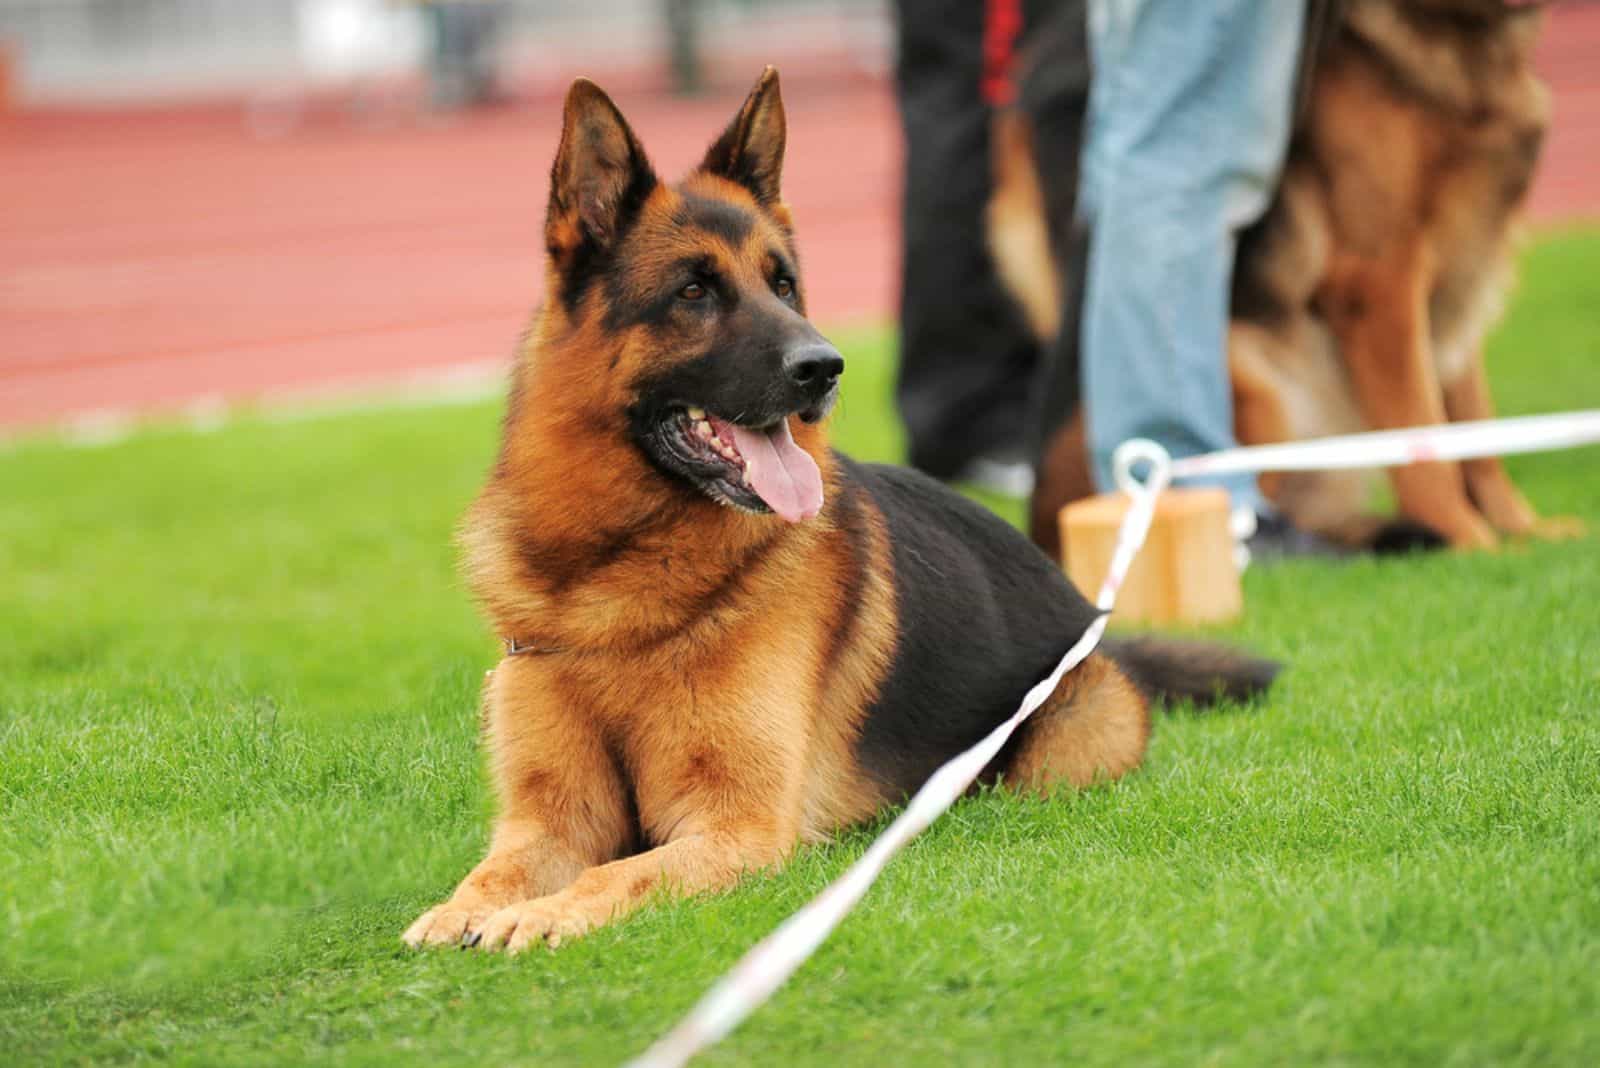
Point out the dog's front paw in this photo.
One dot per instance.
(548, 919)
(1472, 534)
(444, 924)
(1558, 528)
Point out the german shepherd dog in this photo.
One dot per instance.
(724, 639)
(1362, 298)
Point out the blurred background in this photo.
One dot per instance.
(215, 201)
(205, 202)
(117, 50)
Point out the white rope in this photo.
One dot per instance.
(1394, 448)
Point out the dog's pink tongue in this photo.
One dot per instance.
(780, 471)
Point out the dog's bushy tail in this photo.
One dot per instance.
(1170, 670)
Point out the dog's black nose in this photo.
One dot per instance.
(813, 367)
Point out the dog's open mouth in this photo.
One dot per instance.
(757, 469)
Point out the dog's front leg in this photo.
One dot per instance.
(722, 794)
(1379, 310)
(1491, 488)
(563, 806)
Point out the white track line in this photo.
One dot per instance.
(464, 383)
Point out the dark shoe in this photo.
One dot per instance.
(1275, 538)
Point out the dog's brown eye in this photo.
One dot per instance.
(784, 288)
(692, 291)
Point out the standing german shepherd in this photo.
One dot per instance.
(723, 638)
(1362, 299)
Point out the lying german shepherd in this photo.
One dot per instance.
(1362, 298)
(722, 638)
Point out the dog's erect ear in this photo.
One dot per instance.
(601, 175)
(750, 150)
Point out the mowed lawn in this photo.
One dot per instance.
(238, 754)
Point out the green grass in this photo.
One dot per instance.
(238, 756)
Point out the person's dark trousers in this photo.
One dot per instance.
(966, 356)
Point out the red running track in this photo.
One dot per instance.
(149, 259)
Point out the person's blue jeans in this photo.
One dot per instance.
(1189, 119)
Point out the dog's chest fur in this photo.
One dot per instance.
(694, 643)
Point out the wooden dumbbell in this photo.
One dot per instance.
(1186, 572)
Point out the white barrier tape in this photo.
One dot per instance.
(1394, 448)
(769, 962)
(762, 969)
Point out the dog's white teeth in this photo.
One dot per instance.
(703, 429)
(697, 413)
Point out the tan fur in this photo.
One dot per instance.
(1063, 475)
(1094, 727)
(1015, 226)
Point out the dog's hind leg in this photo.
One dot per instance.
(1095, 727)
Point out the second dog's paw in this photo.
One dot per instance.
(1473, 535)
(1558, 528)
